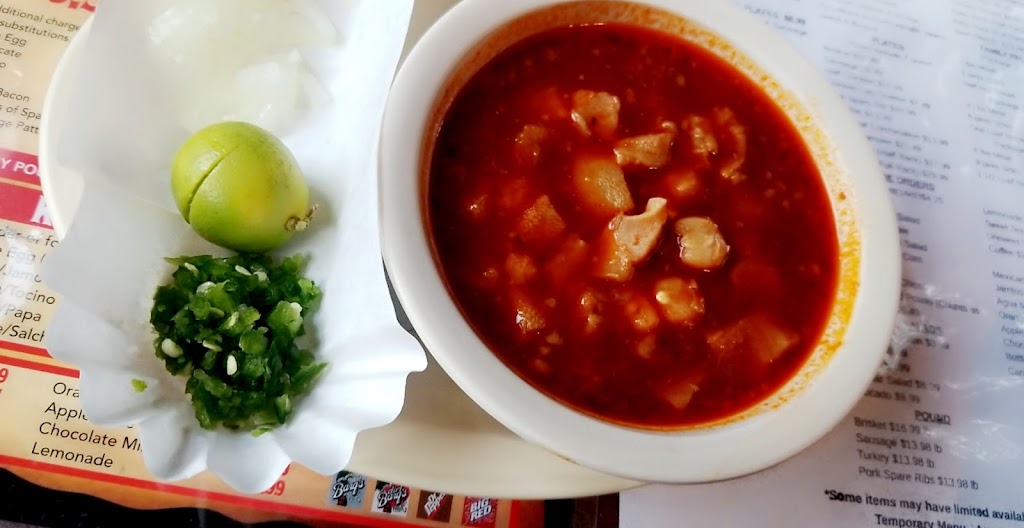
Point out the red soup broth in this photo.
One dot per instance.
(632, 226)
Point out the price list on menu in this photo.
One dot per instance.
(938, 438)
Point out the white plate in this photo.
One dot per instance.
(442, 440)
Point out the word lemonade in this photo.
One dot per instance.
(70, 423)
(49, 434)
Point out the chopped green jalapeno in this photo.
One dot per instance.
(230, 325)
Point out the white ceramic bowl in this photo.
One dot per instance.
(839, 369)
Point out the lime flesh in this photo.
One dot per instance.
(239, 187)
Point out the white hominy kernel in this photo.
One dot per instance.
(701, 245)
(243, 271)
(211, 345)
(170, 348)
(204, 287)
(232, 365)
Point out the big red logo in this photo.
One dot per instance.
(480, 512)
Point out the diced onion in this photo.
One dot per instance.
(241, 59)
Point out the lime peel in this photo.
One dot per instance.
(240, 187)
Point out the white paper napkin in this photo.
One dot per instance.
(122, 131)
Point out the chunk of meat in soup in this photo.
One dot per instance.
(540, 224)
(679, 393)
(758, 337)
(630, 239)
(735, 138)
(701, 245)
(701, 137)
(528, 314)
(601, 186)
(595, 113)
(651, 151)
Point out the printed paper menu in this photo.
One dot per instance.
(938, 439)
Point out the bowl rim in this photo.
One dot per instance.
(633, 453)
